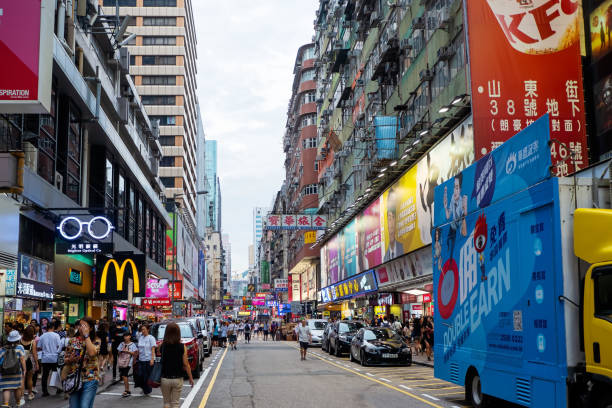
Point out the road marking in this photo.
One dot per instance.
(429, 396)
(449, 393)
(416, 397)
(404, 387)
(133, 395)
(212, 383)
(384, 379)
(195, 389)
(370, 374)
(356, 369)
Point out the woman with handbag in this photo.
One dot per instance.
(174, 364)
(81, 373)
(28, 342)
(146, 358)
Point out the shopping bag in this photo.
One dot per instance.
(155, 377)
(138, 383)
(56, 380)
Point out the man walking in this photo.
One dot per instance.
(247, 332)
(50, 345)
(304, 337)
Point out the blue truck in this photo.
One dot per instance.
(523, 279)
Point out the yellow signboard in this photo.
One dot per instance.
(310, 237)
(119, 271)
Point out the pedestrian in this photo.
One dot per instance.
(240, 329)
(215, 333)
(13, 368)
(116, 337)
(174, 365)
(82, 353)
(428, 336)
(266, 329)
(28, 342)
(416, 335)
(223, 337)
(260, 330)
(304, 337)
(396, 325)
(38, 333)
(50, 346)
(146, 358)
(247, 332)
(232, 328)
(273, 328)
(126, 353)
(105, 349)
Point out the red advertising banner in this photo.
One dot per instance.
(156, 302)
(525, 62)
(176, 287)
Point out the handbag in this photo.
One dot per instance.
(155, 377)
(56, 380)
(74, 381)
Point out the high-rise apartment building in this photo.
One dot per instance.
(227, 267)
(258, 215)
(163, 66)
(213, 198)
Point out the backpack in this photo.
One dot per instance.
(11, 365)
(124, 358)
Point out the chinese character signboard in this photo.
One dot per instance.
(35, 278)
(281, 285)
(156, 302)
(295, 222)
(84, 234)
(8, 282)
(357, 285)
(525, 62)
(176, 287)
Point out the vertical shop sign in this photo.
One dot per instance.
(525, 62)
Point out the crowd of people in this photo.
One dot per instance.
(228, 332)
(75, 359)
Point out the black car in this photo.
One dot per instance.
(379, 345)
(340, 336)
(325, 337)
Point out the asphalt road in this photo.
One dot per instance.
(270, 375)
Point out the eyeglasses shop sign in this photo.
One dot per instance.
(359, 284)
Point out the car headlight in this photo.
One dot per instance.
(406, 350)
(370, 348)
(343, 337)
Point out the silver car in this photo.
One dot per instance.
(316, 329)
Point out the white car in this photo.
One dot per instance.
(207, 336)
(316, 329)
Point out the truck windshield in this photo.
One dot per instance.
(603, 292)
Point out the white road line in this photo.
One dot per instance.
(430, 397)
(184, 385)
(370, 374)
(408, 388)
(134, 395)
(454, 406)
(195, 389)
(356, 369)
(384, 379)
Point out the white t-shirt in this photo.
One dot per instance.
(232, 328)
(303, 333)
(131, 347)
(144, 347)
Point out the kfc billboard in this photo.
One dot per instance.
(524, 62)
(26, 55)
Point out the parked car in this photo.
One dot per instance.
(317, 326)
(200, 336)
(189, 337)
(207, 336)
(379, 345)
(341, 335)
(325, 337)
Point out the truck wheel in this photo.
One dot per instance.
(474, 393)
(605, 401)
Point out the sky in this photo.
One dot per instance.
(246, 53)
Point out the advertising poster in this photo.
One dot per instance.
(602, 94)
(515, 50)
(157, 288)
(34, 278)
(601, 30)
(331, 254)
(415, 264)
(369, 242)
(347, 249)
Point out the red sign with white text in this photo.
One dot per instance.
(176, 287)
(156, 302)
(525, 62)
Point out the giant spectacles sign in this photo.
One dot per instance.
(116, 276)
(84, 234)
(357, 285)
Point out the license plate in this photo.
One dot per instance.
(387, 355)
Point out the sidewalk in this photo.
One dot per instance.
(421, 359)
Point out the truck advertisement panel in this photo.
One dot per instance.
(494, 282)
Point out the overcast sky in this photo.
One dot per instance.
(246, 52)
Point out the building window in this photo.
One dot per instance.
(166, 141)
(159, 21)
(159, 40)
(131, 215)
(47, 141)
(307, 76)
(309, 143)
(158, 99)
(168, 182)
(121, 203)
(316, 166)
(308, 120)
(310, 189)
(159, 3)
(109, 184)
(308, 97)
(167, 161)
(158, 60)
(140, 223)
(122, 3)
(164, 120)
(159, 80)
(309, 53)
(73, 156)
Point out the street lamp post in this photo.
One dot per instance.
(174, 243)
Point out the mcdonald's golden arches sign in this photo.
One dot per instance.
(121, 275)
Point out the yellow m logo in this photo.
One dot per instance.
(119, 271)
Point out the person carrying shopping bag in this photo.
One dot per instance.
(81, 363)
(174, 365)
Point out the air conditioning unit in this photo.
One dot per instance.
(444, 18)
(445, 53)
(346, 24)
(360, 82)
(124, 60)
(405, 44)
(338, 45)
(155, 129)
(354, 53)
(374, 18)
(124, 109)
(425, 75)
(59, 182)
(418, 23)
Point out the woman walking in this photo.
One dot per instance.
(126, 353)
(266, 329)
(223, 334)
(146, 358)
(428, 336)
(105, 354)
(28, 342)
(82, 353)
(215, 333)
(15, 368)
(416, 335)
(174, 365)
